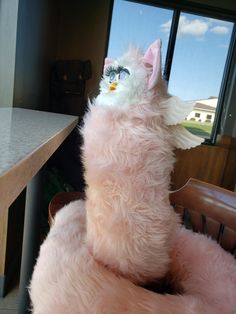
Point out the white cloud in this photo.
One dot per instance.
(166, 26)
(224, 46)
(195, 27)
(220, 30)
(219, 22)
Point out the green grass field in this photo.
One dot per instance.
(198, 128)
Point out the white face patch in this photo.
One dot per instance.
(114, 74)
(123, 82)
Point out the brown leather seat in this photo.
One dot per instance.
(208, 209)
(204, 208)
(61, 199)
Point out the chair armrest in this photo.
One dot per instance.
(208, 209)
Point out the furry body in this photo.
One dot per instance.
(130, 222)
(128, 158)
(67, 279)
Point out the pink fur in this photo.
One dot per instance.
(126, 233)
(128, 210)
(205, 271)
(67, 279)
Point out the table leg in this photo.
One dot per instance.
(33, 209)
(3, 249)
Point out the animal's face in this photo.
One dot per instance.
(128, 80)
(115, 75)
(124, 81)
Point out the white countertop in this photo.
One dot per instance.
(27, 139)
(22, 131)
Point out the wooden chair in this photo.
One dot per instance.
(208, 209)
(204, 208)
(61, 199)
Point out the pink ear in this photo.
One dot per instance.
(153, 57)
(107, 62)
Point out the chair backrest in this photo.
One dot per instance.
(204, 208)
(208, 209)
(61, 199)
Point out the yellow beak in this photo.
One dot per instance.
(113, 86)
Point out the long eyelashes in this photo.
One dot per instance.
(111, 69)
(122, 69)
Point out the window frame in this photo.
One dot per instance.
(182, 6)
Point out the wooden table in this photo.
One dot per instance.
(27, 139)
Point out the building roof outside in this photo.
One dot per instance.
(204, 104)
(211, 102)
(201, 106)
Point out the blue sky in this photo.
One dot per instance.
(201, 47)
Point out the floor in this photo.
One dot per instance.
(8, 304)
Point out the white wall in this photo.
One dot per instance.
(203, 115)
(8, 27)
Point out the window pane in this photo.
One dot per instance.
(138, 24)
(197, 69)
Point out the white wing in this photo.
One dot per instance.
(176, 110)
(182, 138)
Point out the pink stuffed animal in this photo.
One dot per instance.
(126, 233)
(129, 136)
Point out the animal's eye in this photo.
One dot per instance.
(112, 76)
(123, 74)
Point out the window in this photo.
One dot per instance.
(196, 53)
(136, 24)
